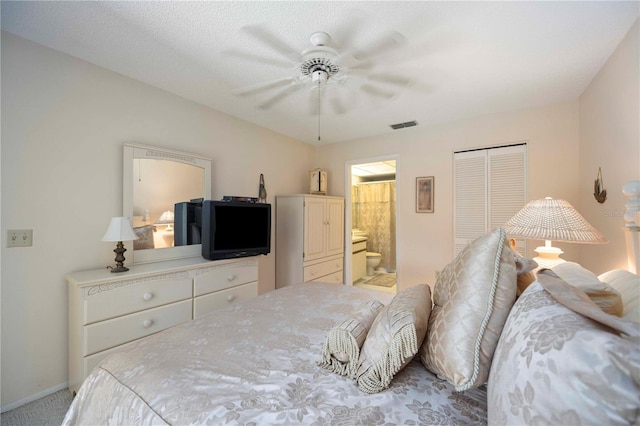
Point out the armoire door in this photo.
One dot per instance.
(335, 226)
(315, 228)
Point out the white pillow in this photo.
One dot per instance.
(628, 284)
(602, 294)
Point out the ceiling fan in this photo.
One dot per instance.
(330, 74)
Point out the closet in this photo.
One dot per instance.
(490, 186)
(309, 239)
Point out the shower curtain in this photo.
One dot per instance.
(376, 211)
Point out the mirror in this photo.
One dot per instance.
(154, 180)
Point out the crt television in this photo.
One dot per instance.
(187, 222)
(235, 229)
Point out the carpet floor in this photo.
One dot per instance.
(49, 410)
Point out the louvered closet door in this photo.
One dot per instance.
(489, 188)
(470, 202)
(507, 183)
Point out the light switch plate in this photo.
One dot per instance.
(19, 237)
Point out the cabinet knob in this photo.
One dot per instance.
(231, 277)
(147, 323)
(147, 296)
(231, 298)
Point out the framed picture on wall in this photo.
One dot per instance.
(424, 194)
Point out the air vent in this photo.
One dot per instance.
(403, 125)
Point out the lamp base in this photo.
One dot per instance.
(548, 256)
(119, 251)
(119, 268)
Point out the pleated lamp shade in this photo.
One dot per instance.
(552, 220)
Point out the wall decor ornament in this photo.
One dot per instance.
(599, 192)
(424, 194)
(262, 191)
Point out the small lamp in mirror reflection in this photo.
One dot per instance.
(119, 230)
(166, 218)
(549, 219)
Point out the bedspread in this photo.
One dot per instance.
(256, 362)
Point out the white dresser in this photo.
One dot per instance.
(309, 239)
(107, 310)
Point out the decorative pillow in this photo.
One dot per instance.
(145, 237)
(578, 301)
(472, 298)
(341, 349)
(394, 338)
(525, 268)
(554, 366)
(628, 284)
(605, 296)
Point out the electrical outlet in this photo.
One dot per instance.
(20, 237)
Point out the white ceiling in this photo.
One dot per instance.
(374, 169)
(463, 58)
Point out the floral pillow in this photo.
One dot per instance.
(555, 366)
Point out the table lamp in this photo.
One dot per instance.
(550, 219)
(119, 230)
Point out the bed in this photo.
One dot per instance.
(257, 362)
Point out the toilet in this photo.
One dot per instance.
(373, 260)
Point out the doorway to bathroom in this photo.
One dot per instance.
(373, 224)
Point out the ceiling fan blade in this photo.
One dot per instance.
(314, 106)
(383, 44)
(376, 91)
(344, 35)
(338, 105)
(261, 87)
(269, 39)
(396, 80)
(278, 97)
(259, 59)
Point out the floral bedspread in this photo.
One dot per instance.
(256, 363)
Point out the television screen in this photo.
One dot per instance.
(235, 229)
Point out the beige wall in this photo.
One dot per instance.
(424, 241)
(610, 139)
(63, 124)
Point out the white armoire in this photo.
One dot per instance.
(309, 239)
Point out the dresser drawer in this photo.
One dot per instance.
(222, 278)
(103, 302)
(114, 332)
(359, 246)
(91, 361)
(335, 278)
(313, 272)
(210, 302)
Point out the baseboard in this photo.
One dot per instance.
(33, 397)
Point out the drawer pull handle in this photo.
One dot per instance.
(147, 323)
(231, 277)
(231, 298)
(147, 296)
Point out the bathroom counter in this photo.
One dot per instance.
(358, 239)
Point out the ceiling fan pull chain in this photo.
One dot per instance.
(319, 105)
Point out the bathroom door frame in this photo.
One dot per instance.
(348, 223)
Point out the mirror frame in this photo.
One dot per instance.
(133, 151)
